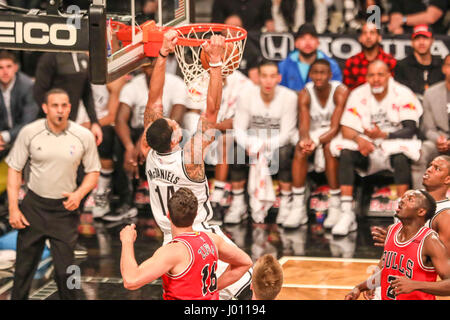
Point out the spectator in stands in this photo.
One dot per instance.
(435, 125)
(234, 86)
(355, 70)
(420, 69)
(255, 14)
(289, 15)
(129, 126)
(251, 56)
(379, 127)
(320, 108)
(405, 14)
(17, 105)
(350, 16)
(264, 125)
(67, 71)
(294, 69)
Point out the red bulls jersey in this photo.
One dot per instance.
(404, 259)
(198, 281)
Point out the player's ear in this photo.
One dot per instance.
(45, 108)
(447, 180)
(422, 212)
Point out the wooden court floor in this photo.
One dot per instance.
(309, 278)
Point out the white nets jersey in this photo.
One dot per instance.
(321, 115)
(440, 206)
(165, 175)
(101, 97)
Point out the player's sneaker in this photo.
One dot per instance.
(345, 225)
(259, 216)
(80, 251)
(217, 218)
(284, 209)
(297, 215)
(334, 213)
(101, 204)
(236, 213)
(124, 212)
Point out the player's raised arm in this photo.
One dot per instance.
(154, 108)
(194, 150)
(215, 49)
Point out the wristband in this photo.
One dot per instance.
(404, 19)
(162, 54)
(217, 64)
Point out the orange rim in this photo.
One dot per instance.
(204, 27)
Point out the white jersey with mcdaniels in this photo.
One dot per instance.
(166, 174)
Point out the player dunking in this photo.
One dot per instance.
(188, 263)
(413, 255)
(169, 167)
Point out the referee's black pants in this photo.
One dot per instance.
(48, 220)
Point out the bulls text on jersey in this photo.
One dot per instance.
(395, 262)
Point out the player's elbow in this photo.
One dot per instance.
(247, 263)
(130, 284)
(433, 14)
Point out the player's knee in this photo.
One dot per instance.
(402, 169)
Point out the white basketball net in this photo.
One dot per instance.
(188, 57)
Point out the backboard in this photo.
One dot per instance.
(126, 48)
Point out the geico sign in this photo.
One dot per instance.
(19, 32)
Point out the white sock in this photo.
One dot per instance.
(335, 198)
(347, 203)
(238, 195)
(286, 194)
(299, 194)
(218, 192)
(104, 180)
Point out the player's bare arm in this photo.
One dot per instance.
(16, 218)
(340, 99)
(434, 254)
(239, 262)
(122, 128)
(368, 284)
(440, 225)
(304, 101)
(195, 148)
(163, 260)
(154, 108)
(114, 89)
(365, 146)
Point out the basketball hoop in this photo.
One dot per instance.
(188, 52)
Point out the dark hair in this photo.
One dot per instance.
(429, 204)
(54, 91)
(183, 206)
(266, 62)
(159, 135)
(319, 61)
(8, 55)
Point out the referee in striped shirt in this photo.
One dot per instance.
(54, 148)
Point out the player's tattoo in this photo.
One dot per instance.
(152, 113)
(194, 150)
